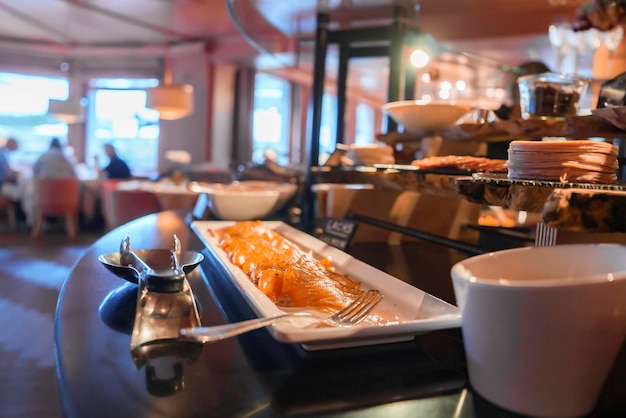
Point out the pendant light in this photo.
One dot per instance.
(172, 101)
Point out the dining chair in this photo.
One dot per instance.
(56, 198)
(124, 205)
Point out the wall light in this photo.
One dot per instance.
(69, 111)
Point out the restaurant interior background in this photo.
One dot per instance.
(251, 66)
(250, 63)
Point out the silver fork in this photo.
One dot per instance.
(545, 235)
(351, 315)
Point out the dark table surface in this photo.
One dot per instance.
(254, 375)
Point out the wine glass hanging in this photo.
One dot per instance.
(564, 40)
(612, 39)
(557, 35)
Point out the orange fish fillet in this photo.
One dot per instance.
(289, 276)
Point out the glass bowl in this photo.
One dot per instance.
(551, 95)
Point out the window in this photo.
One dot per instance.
(270, 124)
(118, 115)
(328, 127)
(364, 124)
(24, 113)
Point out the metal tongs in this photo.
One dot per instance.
(129, 258)
(165, 302)
(132, 264)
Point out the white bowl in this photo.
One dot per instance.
(542, 325)
(286, 190)
(371, 154)
(417, 116)
(245, 200)
(234, 203)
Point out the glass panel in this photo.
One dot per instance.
(270, 124)
(328, 127)
(364, 124)
(24, 113)
(121, 118)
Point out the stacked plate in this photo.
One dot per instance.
(582, 161)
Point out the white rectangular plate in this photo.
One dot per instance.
(416, 311)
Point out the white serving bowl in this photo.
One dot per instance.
(235, 204)
(286, 190)
(245, 200)
(542, 325)
(371, 154)
(417, 116)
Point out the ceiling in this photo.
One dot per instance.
(504, 32)
(81, 24)
(102, 26)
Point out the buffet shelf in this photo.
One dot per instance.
(393, 177)
(609, 122)
(528, 195)
(578, 207)
(570, 206)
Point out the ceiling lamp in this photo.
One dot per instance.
(172, 101)
(69, 111)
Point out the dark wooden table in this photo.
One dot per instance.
(254, 375)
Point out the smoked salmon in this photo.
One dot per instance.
(289, 276)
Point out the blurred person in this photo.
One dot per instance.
(54, 163)
(117, 168)
(13, 184)
(7, 173)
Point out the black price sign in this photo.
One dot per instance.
(335, 232)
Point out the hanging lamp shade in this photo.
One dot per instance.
(172, 101)
(69, 111)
